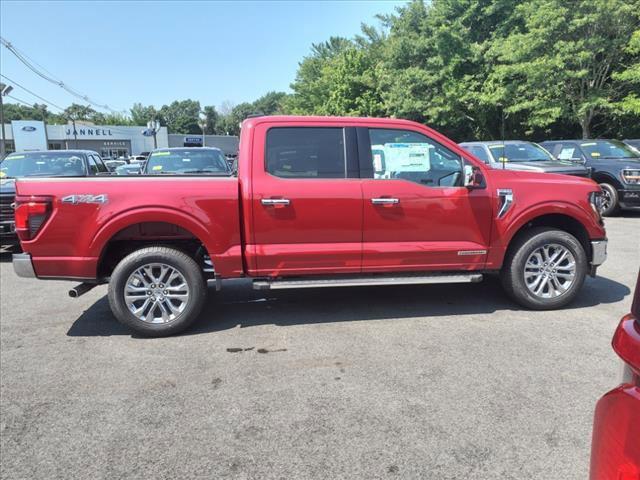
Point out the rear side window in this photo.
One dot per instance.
(306, 152)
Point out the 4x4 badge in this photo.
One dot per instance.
(76, 199)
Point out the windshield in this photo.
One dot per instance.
(608, 149)
(187, 161)
(519, 152)
(42, 164)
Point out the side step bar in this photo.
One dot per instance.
(362, 281)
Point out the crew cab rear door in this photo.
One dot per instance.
(306, 200)
(417, 213)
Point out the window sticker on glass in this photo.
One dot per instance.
(595, 154)
(566, 153)
(407, 157)
(157, 167)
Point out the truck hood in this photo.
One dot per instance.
(8, 186)
(548, 167)
(613, 163)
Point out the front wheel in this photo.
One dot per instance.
(544, 269)
(609, 200)
(157, 291)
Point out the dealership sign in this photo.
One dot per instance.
(29, 135)
(88, 132)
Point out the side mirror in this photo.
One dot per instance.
(473, 177)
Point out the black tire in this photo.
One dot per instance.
(175, 259)
(613, 207)
(513, 276)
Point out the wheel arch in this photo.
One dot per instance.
(560, 221)
(607, 177)
(137, 229)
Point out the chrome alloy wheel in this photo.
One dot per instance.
(606, 199)
(550, 271)
(156, 293)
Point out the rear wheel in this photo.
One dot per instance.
(544, 269)
(609, 200)
(157, 291)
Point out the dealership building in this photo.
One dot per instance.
(110, 141)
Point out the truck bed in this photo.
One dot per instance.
(91, 212)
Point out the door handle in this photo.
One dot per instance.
(275, 201)
(385, 201)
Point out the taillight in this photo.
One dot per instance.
(626, 340)
(30, 215)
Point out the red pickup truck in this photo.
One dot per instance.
(318, 202)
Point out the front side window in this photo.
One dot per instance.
(306, 152)
(408, 155)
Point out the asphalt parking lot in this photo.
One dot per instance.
(438, 382)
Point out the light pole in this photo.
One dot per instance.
(203, 125)
(4, 90)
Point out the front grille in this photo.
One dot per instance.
(6, 208)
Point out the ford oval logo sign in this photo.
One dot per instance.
(28, 128)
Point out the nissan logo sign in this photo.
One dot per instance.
(28, 128)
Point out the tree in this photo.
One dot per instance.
(559, 64)
(141, 115)
(212, 120)
(270, 103)
(310, 87)
(79, 112)
(181, 116)
(353, 84)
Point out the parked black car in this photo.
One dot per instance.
(46, 163)
(614, 165)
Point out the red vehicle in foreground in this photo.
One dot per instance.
(318, 202)
(615, 451)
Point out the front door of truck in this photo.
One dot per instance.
(306, 201)
(417, 213)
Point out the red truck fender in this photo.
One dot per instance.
(226, 257)
(555, 213)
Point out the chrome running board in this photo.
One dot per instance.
(365, 281)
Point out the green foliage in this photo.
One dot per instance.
(181, 116)
(470, 68)
(559, 64)
(141, 115)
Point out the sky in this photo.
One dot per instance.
(154, 52)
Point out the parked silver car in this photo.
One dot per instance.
(520, 155)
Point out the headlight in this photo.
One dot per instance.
(596, 200)
(631, 176)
